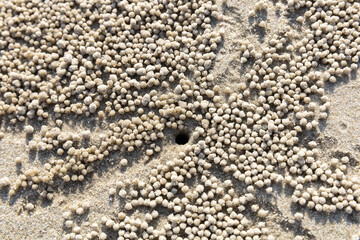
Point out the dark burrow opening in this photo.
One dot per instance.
(182, 138)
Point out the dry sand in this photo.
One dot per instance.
(340, 136)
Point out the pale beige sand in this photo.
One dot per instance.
(340, 136)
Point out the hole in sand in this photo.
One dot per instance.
(182, 138)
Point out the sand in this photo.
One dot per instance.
(339, 136)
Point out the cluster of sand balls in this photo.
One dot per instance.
(123, 62)
(144, 67)
(98, 57)
(253, 135)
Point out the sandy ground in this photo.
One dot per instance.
(340, 136)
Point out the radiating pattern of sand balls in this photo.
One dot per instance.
(123, 62)
(144, 67)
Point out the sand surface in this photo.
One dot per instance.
(338, 136)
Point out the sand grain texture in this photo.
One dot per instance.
(338, 136)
